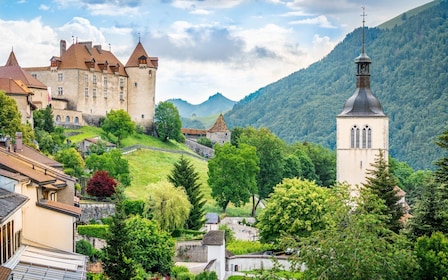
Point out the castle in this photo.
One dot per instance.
(85, 82)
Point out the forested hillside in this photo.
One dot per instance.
(409, 75)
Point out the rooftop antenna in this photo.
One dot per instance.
(363, 25)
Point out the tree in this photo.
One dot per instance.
(184, 175)
(299, 165)
(101, 185)
(431, 211)
(295, 208)
(10, 118)
(150, 246)
(232, 174)
(116, 262)
(354, 244)
(432, 255)
(119, 124)
(270, 151)
(43, 119)
(72, 161)
(384, 184)
(114, 163)
(441, 173)
(168, 122)
(168, 205)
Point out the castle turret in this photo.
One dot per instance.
(141, 70)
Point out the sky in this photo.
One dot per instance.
(233, 47)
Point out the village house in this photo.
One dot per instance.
(37, 216)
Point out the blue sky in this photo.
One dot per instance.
(204, 46)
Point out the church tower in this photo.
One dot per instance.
(141, 87)
(362, 128)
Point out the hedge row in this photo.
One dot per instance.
(95, 230)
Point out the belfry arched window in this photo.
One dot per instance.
(354, 137)
(366, 137)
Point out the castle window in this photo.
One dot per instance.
(76, 120)
(143, 116)
(121, 82)
(60, 77)
(369, 137)
(354, 137)
(34, 75)
(86, 92)
(86, 79)
(135, 84)
(58, 119)
(94, 93)
(60, 90)
(121, 95)
(105, 81)
(366, 137)
(105, 93)
(67, 119)
(142, 60)
(94, 79)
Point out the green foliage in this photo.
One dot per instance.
(229, 235)
(85, 248)
(431, 211)
(232, 174)
(95, 230)
(168, 123)
(185, 276)
(205, 141)
(243, 247)
(134, 207)
(10, 118)
(355, 244)
(150, 246)
(43, 119)
(432, 255)
(168, 205)
(177, 269)
(119, 124)
(72, 161)
(112, 162)
(270, 151)
(296, 207)
(383, 184)
(441, 173)
(408, 77)
(206, 275)
(184, 175)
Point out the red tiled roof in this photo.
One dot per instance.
(12, 60)
(78, 54)
(192, 131)
(39, 157)
(10, 86)
(138, 52)
(220, 125)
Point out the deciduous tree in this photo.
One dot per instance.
(10, 118)
(113, 162)
(168, 205)
(101, 185)
(72, 161)
(295, 208)
(119, 124)
(168, 122)
(185, 176)
(232, 174)
(432, 255)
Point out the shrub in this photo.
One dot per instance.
(177, 269)
(205, 141)
(229, 235)
(98, 231)
(242, 247)
(134, 207)
(206, 275)
(185, 276)
(85, 248)
(101, 185)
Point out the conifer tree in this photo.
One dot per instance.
(441, 173)
(383, 184)
(184, 175)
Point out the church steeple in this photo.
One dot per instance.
(362, 102)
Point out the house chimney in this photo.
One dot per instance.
(62, 47)
(19, 145)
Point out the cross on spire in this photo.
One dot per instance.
(363, 25)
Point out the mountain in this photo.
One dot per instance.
(409, 75)
(215, 104)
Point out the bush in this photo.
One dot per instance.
(206, 275)
(205, 141)
(98, 231)
(185, 276)
(176, 270)
(84, 247)
(134, 207)
(242, 247)
(229, 235)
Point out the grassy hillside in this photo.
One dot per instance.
(151, 166)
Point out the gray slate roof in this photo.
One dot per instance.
(9, 203)
(214, 237)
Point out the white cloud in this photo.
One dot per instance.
(82, 30)
(320, 21)
(202, 12)
(110, 9)
(44, 7)
(33, 42)
(209, 4)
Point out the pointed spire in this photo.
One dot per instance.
(12, 60)
(363, 51)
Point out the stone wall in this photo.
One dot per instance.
(96, 211)
(200, 149)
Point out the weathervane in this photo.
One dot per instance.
(139, 37)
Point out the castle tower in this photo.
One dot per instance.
(362, 128)
(141, 87)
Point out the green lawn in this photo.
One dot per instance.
(149, 166)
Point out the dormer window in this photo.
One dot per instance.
(142, 60)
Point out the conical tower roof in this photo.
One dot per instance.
(362, 103)
(12, 60)
(138, 52)
(220, 125)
